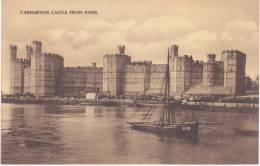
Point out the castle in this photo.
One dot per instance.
(44, 74)
(224, 77)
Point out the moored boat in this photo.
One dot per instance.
(167, 124)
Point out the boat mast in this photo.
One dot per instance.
(167, 115)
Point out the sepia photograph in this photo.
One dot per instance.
(129, 82)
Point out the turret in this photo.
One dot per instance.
(13, 52)
(211, 57)
(29, 51)
(174, 50)
(37, 47)
(94, 64)
(121, 49)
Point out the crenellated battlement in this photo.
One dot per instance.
(13, 52)
(36, 42)
(211, 57)
(121, 49)
(197, 62)
(158, 67)
(114, 55)
(183, 58)
(141, 62)
(219, 62)
(232, 52)
(21, 60)
(29, 51)
(174, 50)
(13, 46)
(37, 47)
(84, 69)
(54, 55)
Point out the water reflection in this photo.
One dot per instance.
(89, 135)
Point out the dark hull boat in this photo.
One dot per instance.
(167, 124)
(181, 130)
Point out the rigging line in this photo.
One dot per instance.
(146, 114)
(150, 114)
(149, 117)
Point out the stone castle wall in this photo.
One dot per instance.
(44, 74)
(196, 73)
(157, 79)
(77, 81)
(136, 78)
(27, 80)
(17, 77)
(142, 78)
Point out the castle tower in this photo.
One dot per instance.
(234, 70)
(13, 52)
(37, 47)
(13, 57)
(36, 68)
(113, 70)
(17, 67)
(209, 70)
(174, 50)
(180, 71)
(211, 57)
(121, 49)
(29, 51)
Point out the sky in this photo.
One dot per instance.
(145, 27)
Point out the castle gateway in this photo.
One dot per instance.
(44, 74)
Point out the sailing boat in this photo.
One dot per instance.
(167, 124)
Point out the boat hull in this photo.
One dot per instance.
(179, 130)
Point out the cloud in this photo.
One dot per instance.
(243, 35)
(98, 26)
(238, 31)
(198, 39)
(160, 28)
(147, 39)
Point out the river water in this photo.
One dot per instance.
(34, 134)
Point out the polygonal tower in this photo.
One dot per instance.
(234, 70)
(36, 68)
(113, 67)
(174, 50)
(29, 51)
(13, 52)
(180, 69)
(209, 70)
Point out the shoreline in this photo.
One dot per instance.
(201, 106)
